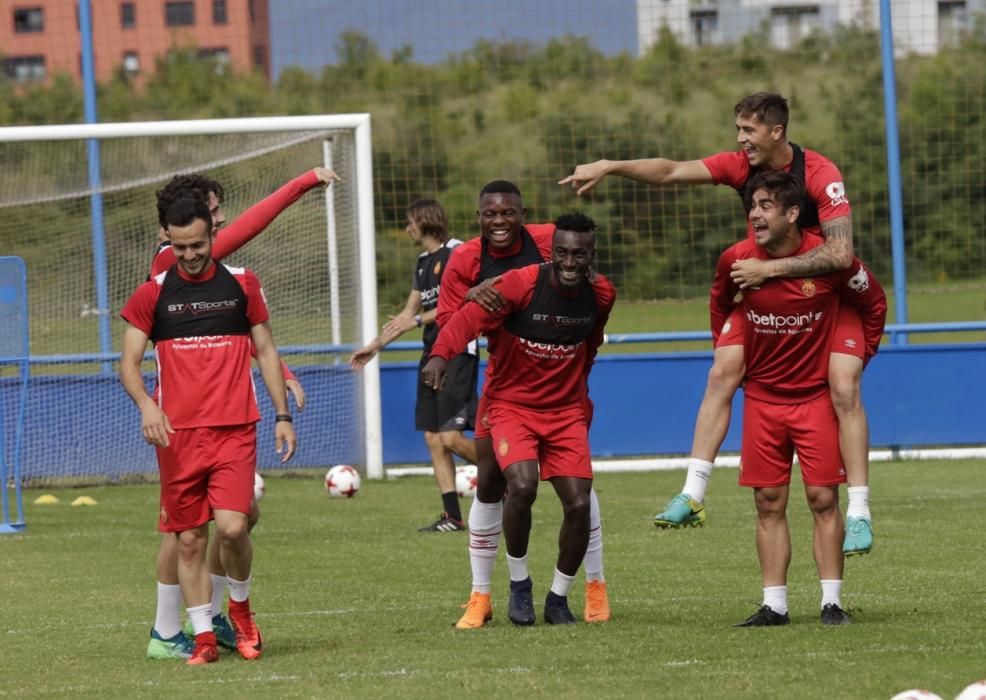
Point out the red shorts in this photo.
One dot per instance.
(848, 337)
(557, 440)
(206, 469)
(773, 431)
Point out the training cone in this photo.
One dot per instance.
(46, 499)
(84, 501)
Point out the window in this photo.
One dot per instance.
(953, 22)
(705, 23)
(28, 20)
(219, 15)
(131, 63)
(179, 14)
(220, 55)
(25, 69)
(260, 57)
(128, 15)
(789, 25)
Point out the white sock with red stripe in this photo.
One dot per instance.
(593, 561)
(484, 539)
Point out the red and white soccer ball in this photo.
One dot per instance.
(466, 479)
(342, 481)
(258, 486)
(916, 694)
(976, 691)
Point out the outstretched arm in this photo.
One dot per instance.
(392, 330)
(653, 171)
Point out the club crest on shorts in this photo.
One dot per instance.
(808, 288)
(164, 515)
(504, 447)
(485, 420)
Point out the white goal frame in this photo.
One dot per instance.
(359, 124)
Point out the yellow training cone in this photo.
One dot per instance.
(84, 501)
(46, 500)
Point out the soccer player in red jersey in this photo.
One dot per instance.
(790, 323)
(167, 640)
(544, 337)
(505, 243)
(761, 130)
(441, 415)
(202, 317)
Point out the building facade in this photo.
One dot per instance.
(919, 26)
(39, 38)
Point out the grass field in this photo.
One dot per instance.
(354, 603)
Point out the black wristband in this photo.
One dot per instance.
(283, 418)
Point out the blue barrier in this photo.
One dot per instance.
(916, 395)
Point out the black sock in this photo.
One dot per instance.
(450, 501)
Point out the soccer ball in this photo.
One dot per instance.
(976, 691)
(258, 486)
(466, 479)
(342, 481)
(916, 694)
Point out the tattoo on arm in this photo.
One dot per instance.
(835, 254)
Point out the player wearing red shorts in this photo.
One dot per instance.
(505, 243)
(788, 331)
(167, 641)
(544, 338)
(761, 130)
(202, 318)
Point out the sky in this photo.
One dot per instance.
(304, 32)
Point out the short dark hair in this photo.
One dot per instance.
(185, 211)
(575, 221)
(784, 187)
(189, 186)
(767, 107)
(500, 187)
(430, 217)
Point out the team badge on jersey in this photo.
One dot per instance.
(438, 267)
(808, 288)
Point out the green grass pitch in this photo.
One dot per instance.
(354, 603)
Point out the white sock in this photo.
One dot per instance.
(484, 538)
(518, 568)
(593, 561)
(201, 617)
(562, 584)
(218, 593)
(167, 619)
(831, 590)
(859, 502)
(698, 478)
(776, 598)
(238, 590)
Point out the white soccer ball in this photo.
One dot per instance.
(916, 694)
(258, 486)
(976, 691)
(342, 481)
(466, 479)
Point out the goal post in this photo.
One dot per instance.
(320, 310)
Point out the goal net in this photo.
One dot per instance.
(88, 237)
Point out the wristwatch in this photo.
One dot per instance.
(417, 320)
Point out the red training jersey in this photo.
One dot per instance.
(203, 380)
(544, 369)
(823, 182)
(790, 321)
(462, 270)
(248, 224)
